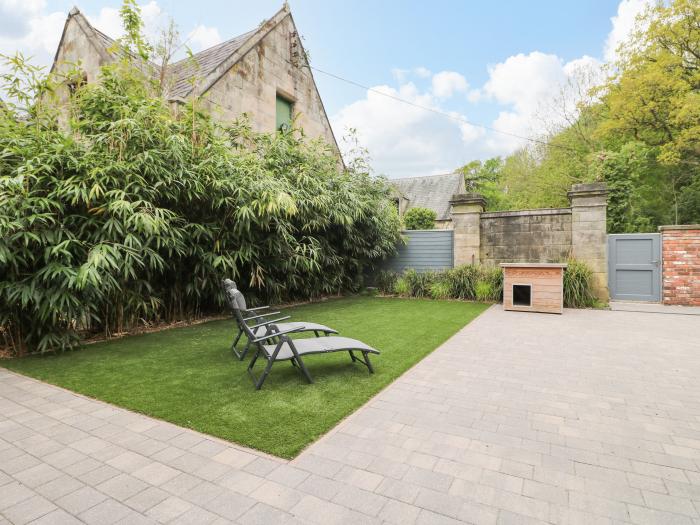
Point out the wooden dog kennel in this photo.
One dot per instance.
(533, 287)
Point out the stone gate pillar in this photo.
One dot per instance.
(466, 214)
(589, 239)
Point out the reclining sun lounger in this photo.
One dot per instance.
(257, 318)
(281, 347)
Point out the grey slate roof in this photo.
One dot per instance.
(433, 191)
(200, 65)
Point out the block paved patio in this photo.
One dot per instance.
(592, 417)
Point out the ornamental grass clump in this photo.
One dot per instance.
(468, 282)
(578, 285)
(117, 211)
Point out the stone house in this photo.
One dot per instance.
(263, 73)
(433, 192)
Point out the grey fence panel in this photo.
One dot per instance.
(634, 266)
(425, 250)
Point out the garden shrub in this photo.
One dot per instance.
(578, 285)
(419, 219)
(130, 212)
(462, 281)
(469, 282)
(483, 290)
(483, 283)
(419, 282)
(440, 290)
(401, 287)
(386, 281)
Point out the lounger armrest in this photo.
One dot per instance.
(256, 308)
(261, 316)
(271, 321)
(272, 335)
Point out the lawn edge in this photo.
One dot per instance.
(335, 427)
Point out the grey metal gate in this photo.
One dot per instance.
(634, 266)
(425, 250)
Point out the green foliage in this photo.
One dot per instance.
(468, 282)
(440, 290)
(131, 213)
(483, 283)
(418, 282)
(385, 281)
(483, 291)
(626, 173)
(134, 41)
(401, 287)
(578, 285)
(419, 219)
(483, 177)
(462, 281)
(689, 203)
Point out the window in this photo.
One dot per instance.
(284, 109)
(522, 295)
(77, 82)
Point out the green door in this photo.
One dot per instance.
(284, 113)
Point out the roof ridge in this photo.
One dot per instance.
(247, 34)
(426, 176)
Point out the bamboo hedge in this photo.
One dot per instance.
(117, 211)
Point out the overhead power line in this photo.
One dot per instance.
(442, 113)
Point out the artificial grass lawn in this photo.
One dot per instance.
(189, 377)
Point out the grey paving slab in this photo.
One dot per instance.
(587, 417)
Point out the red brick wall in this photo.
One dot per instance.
(681, 265)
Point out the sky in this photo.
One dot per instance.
(480, 78)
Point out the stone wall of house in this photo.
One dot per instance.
(268, 69)
(545, 235)
(680, 246)
(77, 50)
(525, 236)
(250, 86)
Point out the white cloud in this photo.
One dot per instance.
(109, 22)
(26, 27)
(623, 24)
(15, 15)
(405, 140)
(402, 75)
(447, 83)
(203, 37)
(540, 92)
(422, 72)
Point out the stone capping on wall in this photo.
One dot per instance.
(588, 194)
(679, 227)
(468, 199)
(522, 213)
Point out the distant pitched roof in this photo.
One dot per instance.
(433, 191)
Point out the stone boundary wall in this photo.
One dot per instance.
(544, 235)
(525, 236)
(680, 253)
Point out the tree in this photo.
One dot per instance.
(654, 98)
(483, 177)
(419, 219)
